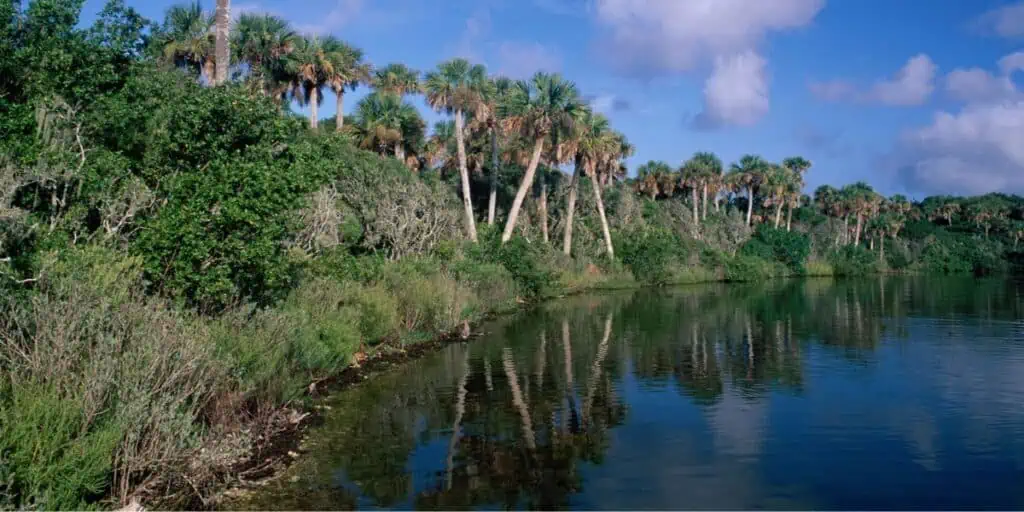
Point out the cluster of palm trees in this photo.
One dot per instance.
(881, 216)
(777, 185)
(543, 120)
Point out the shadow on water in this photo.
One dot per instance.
(884, 393)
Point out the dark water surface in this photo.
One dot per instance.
(877, 394)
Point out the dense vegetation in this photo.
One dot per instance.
(181, 256)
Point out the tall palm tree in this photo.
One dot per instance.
(186, 39)
(262, 41)
(310, 65)
(440, 147)
(829, 202)
(799, 166)
(778, 178)
(698, 173)
(495, 93)
(455, 88)
(864, 203)
(348, 71)
(749, 172)
(546, 102)
(384, 123)
(650, 177)
(598, 145)
(397, 79)
(222, 42)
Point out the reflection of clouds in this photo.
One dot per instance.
(739, 425)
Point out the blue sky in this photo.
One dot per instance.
(914, 96)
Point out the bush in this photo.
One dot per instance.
(853, 261)
(523, 260)
(650, 253)
(744, 268)
(116, 382)
(787, 247)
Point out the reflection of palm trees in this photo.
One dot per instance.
(460, 411)
(517, 399)
(595, 369)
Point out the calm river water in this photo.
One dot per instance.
(888, 393)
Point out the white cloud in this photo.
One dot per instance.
(833, 90)
(736, 93)
(911, 85)
(973, 151)
(343, 13)
(522, 59)
(976, 84)
(1006, 21)
(657, 36)
(649, 38)
(1012, 62)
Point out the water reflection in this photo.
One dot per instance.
(792, 395)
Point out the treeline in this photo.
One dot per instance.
(181, 256)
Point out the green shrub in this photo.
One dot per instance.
(744, 268)
(523, 260)
(61, 458)
(819, 268)
(851, 260)
(650, 253)
(790, 248)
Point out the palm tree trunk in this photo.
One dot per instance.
(467, 202)
(460, 411)
(339, 118)
(881, 248)
(222, 48)
(789, 218)
(704, 202)
(314, 115)
(595, 369)
(604, 220)
(524, 187)
(693, 200)
(570, 211)
(543, 210)
(492, 200)
(778, 214)
(400, 152)
(856, 235)
(846, 228)
(750, 203)
(517, 399)
(717, 199)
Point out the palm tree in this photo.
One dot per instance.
(799, 166)
(749, 173)
(440, 147)
(598, 147)
(223, 40)
(711, 173)
(650, 177)
(384, 123)
(702, 169)
(397, 79)
(348, 71)
(455, 88)
(829, 201)
(536, 107)
(186, 40)
(778, 179)
(690, 176)
(310, 65)
(864, 202)
(262, 41)
(494, 92)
